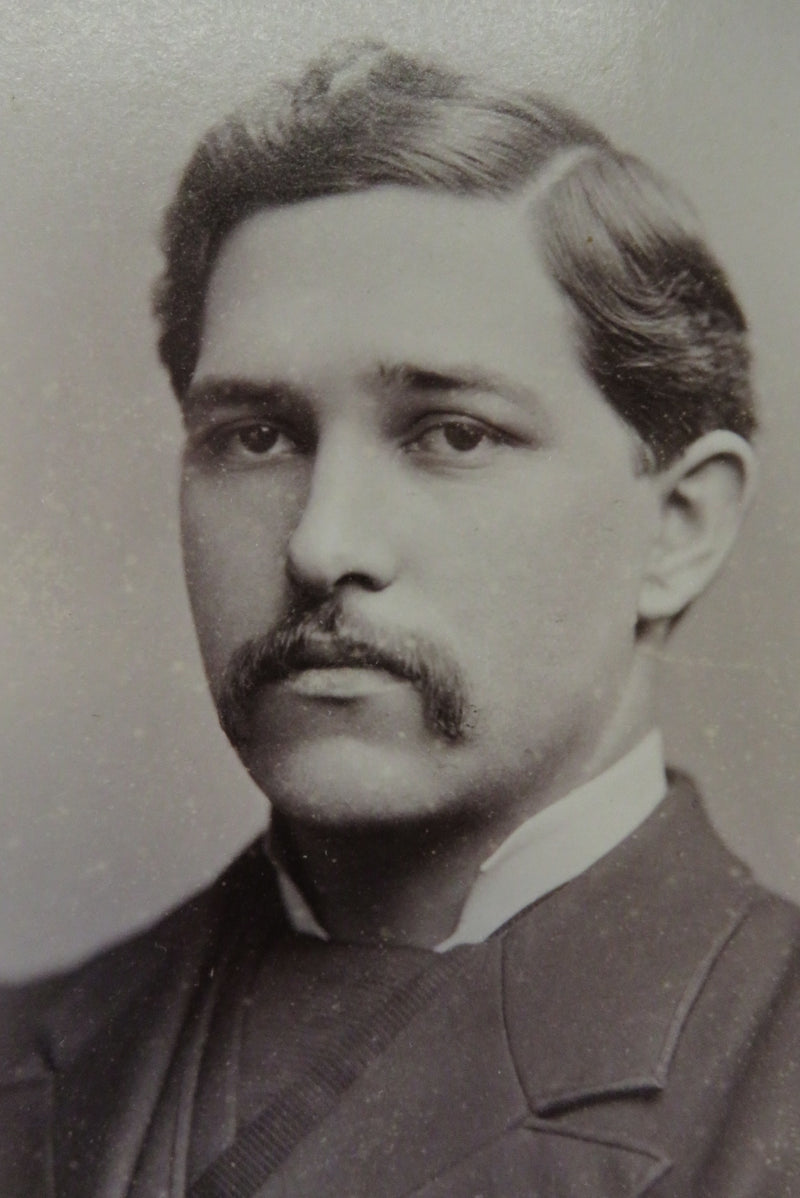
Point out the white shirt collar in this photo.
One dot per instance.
(548, 849)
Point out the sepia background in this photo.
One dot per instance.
(118, 793)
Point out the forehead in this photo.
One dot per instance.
(391, 273)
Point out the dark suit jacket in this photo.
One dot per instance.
(635, 1032)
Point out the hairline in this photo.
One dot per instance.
(316, 138)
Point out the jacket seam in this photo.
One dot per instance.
(503, 965)
(695, 988)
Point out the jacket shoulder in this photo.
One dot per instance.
(616, 962)
(51, 1015)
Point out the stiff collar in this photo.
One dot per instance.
(549, 849)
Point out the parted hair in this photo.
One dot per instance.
(658, 327)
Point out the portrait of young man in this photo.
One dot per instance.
(469, 427)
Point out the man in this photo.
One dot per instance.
(468, 429)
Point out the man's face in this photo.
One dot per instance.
(389, 430)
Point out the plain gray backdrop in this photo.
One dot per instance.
(119, 793)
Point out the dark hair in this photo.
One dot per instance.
(658, 326)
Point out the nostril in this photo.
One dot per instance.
(310, 591)
(363, 581)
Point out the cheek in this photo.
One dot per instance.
(551, 572)
(234, 556)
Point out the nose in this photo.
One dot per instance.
(343, 535)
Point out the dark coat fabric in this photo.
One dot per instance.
(636, 1032)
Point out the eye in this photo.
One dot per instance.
(245, 444)
(256, 439)
(451, 438)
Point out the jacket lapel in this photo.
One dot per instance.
(600, 976)
(425, 1103)
(539, 1161)
(442, 1114)
(502, 1085)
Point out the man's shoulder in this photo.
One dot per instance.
(670, 890)
(667, 934)
(66, 1005)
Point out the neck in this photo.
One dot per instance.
(398, 884)
(407, 883)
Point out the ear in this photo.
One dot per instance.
(703, 499)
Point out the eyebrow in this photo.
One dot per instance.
(221, 392)
(400, 378)
(407, 377)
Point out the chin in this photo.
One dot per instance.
(343, 782)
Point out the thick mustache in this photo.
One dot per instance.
(326, 639)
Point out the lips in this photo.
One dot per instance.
(322, 667)
(340, 682)
(326, 654)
